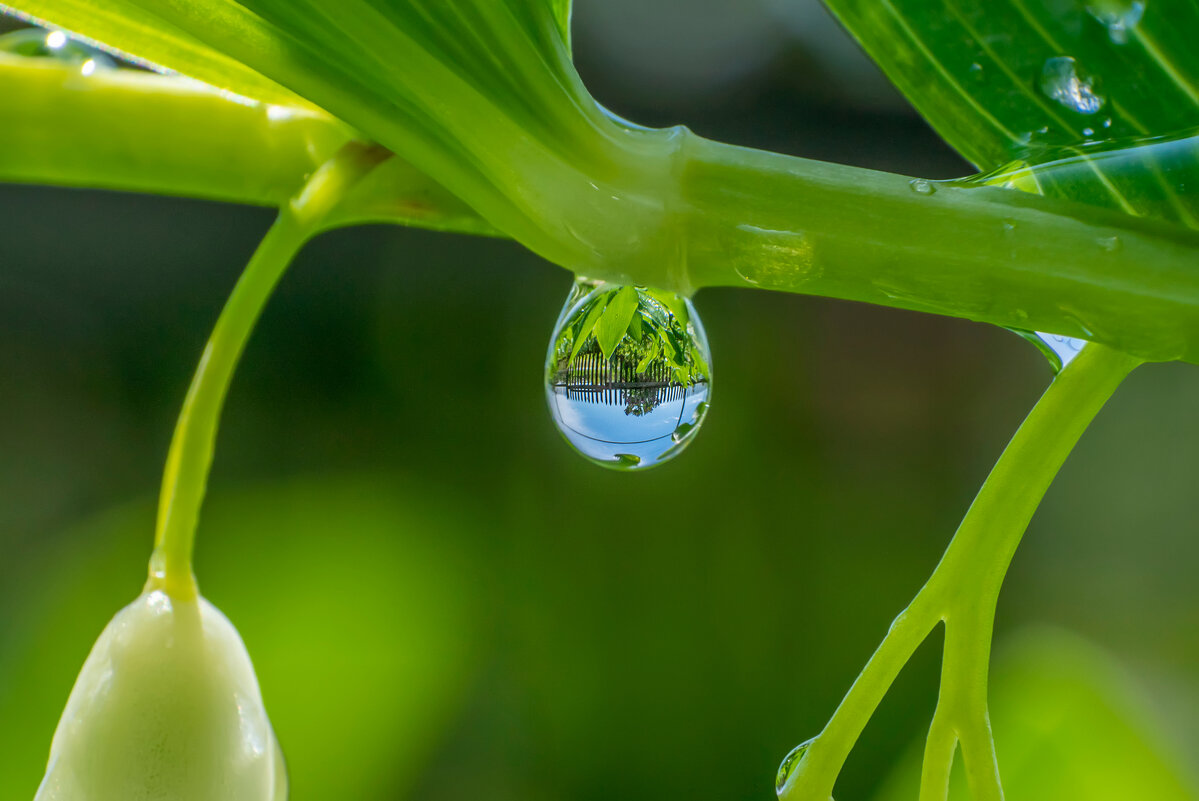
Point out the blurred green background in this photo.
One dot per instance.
(443, 602)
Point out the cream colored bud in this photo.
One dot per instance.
(166, 708)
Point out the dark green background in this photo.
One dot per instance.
(442, 600)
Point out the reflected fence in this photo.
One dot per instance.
(591, 378)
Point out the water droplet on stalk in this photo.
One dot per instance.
(1118, 16)
(921, 186)
(627, 375)
(788, 764)
(1059, 350)
(1062, 80)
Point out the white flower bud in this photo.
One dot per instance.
(166, 708)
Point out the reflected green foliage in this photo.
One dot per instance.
(1069, 724)
(643, 328)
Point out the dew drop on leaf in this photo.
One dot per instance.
(40, 43)
(922, 186)
(788, 764)
(627, 374)
(1120, 17)
(1062, 80)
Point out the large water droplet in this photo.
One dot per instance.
(788, 764)
(1062, 80)
(628, 374)
(1118, 16)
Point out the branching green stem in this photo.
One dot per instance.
(190, 455)
(962, 593)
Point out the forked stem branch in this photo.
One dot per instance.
(962, 592)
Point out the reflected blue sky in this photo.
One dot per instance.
(603, 430)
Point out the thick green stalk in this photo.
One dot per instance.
(143, 132)
(190, 455)
(963, 591)
(715, 215)
(750, 218)
(488, 105)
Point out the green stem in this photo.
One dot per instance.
(963, 589)
(705, 214)
(190, 455)
(142, 132)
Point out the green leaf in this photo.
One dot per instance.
(487, 103)
(635, 325)
(998, 77)
(650, 355)
(615, 322)
(593, 317)
(561, 9)
(141, 32)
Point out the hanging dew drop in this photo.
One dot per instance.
(628, 374)
(787, 766)
(1058, 350)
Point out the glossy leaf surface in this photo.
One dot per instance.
(997, 78)
(144, 32)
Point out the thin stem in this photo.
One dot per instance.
(965, 585)
(939, 748)
(190, 455)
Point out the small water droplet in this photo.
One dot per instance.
(788, 764)
(1111, 244)
(1009, 229)
(977, 72)
(1118, 16)
(39, 43)
(921, 186)
(1059, 350)
(1088, 132)
(627, 375)
(1107, 123)
(1063, 81)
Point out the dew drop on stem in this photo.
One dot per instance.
(628, 374)
(789, 763)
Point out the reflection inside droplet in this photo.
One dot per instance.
(1063, 81)
(39, 43)
(1118, 16)
(788, 764)
(1059, 350)
(627, 374)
